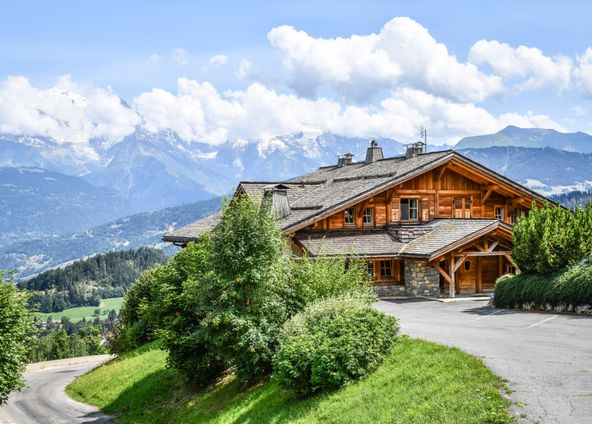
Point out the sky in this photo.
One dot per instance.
(219, 72)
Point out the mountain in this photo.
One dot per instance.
(574, 199)
(529, 137)
(548, 171)
(145, 229)
(36, 203)
(156, 170)
(87, 281)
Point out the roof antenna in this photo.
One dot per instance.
(423, 132)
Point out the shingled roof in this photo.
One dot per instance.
(330, 189)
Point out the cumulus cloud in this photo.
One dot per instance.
(535, 70)
(198, 112)
(67, 112)
(218, 60)
(583, 72)
(402, 54)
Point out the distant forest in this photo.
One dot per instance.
(85, 282)
(573, 198)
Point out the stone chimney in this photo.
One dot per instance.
(415, 149)
(374, 152)
(276, 197)
(345, 159)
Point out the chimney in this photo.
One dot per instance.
(345, 159)
(276, 196)
(415, 149)
(374, 152)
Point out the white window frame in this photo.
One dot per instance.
(352, 215)
(408, 201)
(370, 215)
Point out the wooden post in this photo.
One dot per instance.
(452, 287)
(479, 282)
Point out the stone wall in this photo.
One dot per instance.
(421, 279)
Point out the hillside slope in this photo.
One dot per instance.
(37, 203)
(420, 382)
(144, 229)
(86, 282)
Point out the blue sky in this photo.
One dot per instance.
(130, 48)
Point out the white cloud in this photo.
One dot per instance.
(198, 112)
(534, 70)
(218, 60)
(245, 70)
(583, 72)
(180, 56)
(402, 54)
(154, 58)
(67, 112)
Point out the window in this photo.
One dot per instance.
(409, 209)
(349, 216)
(510, 269)
(463, 207)
(368, 216)
(467, 265)
(386, 269)
(499, 213)
(370, 268)
(514, 216)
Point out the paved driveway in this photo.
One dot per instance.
(546, 358)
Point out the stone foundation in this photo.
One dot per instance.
(421, 279)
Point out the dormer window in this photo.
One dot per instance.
(368, 217)
(409, 209)
(349, 216)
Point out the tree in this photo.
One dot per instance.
(16, 333)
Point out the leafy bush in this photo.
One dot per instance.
(16, 333)
(550, 238)
(570, 286)
(313, 279)
(331, 343)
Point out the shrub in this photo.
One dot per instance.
(550, 238)
(313, 279)
(331, 343)
(570, 286)
(16, 334)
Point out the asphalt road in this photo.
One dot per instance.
(44, 400)
(547, 358)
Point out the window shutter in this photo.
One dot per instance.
(395, 216)
(425, 209)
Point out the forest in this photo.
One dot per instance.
(85, 282)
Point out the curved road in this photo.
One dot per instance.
(44, 399)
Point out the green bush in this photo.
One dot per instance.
(550, 238)
(570, 286)
(16, 334)
(331, 343)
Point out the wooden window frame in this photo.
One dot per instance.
(463, 208)
(371, 223)
(417, 200)
(353, 217)
(503, 209)
(370, 269)
(385, 268)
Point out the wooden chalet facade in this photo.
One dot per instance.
(427, 224)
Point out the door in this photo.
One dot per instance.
(466, 277)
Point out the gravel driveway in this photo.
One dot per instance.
(547, 358)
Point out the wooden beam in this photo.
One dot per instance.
(508, 256)
(494, 253)
(443, 273)
(452, 288)
(493, 246)
(442, 170)
(460, 262)
(490, 190)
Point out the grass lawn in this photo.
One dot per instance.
(76, 314)
(420, 382)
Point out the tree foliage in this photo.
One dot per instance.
(550, 238)
(16, 333)
(86, 282)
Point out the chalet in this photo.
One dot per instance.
(427, 224)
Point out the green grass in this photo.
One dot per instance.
(76, 314)
(420, 382)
